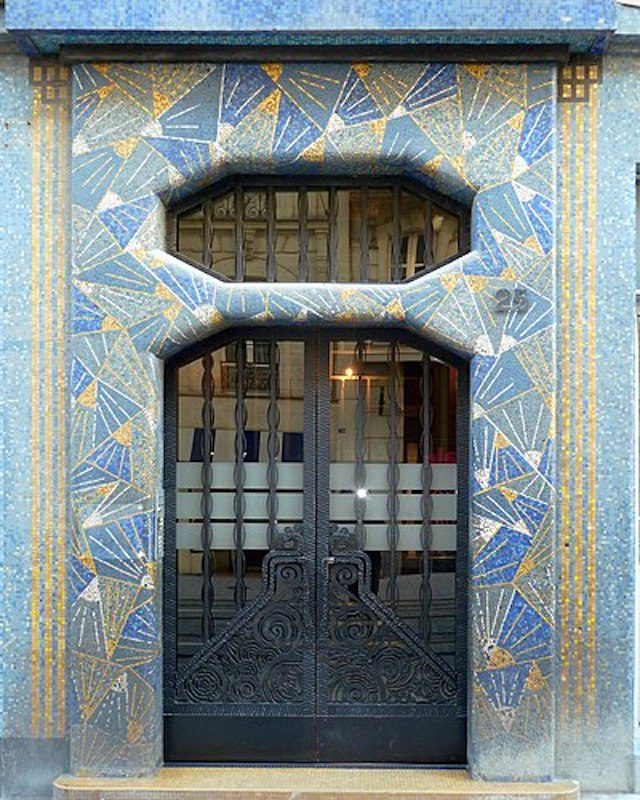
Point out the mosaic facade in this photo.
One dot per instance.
(145, 135)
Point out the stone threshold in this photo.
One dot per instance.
(306, 783)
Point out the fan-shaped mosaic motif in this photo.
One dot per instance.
(148, 134)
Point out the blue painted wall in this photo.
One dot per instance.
(44, 27)
(15, 364)
(304, 15)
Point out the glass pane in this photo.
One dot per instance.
(350, 222)
(395, 427)
(191, 235)
(380, 222)
(287, 240)
(285, 474)
(425, 234)
(445, 241)
(223, 240)
(413, 211)
(318, 231)
(255, 235)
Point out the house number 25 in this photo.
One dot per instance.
(511, 300)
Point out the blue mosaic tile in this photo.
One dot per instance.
(123, 221)
(504, 687)
(94, 170)
(114, 458)
(244, 88)
(184, 119)
(88, 316)
(193, 160)
(356, 105)
(499, 561)
(504, 380)
(294, 131)
(536, 141)
(531, 510)
(437, 82)
(524, 633)
(313, 88)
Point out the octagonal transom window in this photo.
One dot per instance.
(382, 232)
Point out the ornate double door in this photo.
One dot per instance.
(315, 538)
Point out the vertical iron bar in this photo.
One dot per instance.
(239, 231)
(426, 501)
(396, 236)
(170, 575)
(428, 256)
(207, 223)
(239, 475)
(332, 238)
(303, 234)
(206, 503)
(365, 234)
(393, 477)
(273, 443)
(360, 476)
(317, 499)
(271, 234)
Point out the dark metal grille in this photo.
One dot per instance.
(239, 473)
(315, 597)
(347, 231)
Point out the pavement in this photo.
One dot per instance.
(583, 796)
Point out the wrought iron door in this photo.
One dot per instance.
(324, 620)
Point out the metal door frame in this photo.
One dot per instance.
(316, 502)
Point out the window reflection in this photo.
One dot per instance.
(377, 234)
(289, 380)
(378, 388)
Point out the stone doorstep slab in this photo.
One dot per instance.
(306, 783)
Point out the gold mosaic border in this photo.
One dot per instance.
(577, 434)
(49, 245)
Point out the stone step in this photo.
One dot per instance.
(306, 783)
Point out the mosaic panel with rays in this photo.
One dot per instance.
(145, 135)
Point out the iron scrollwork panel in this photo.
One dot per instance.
(371, 661)
(263, 663)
